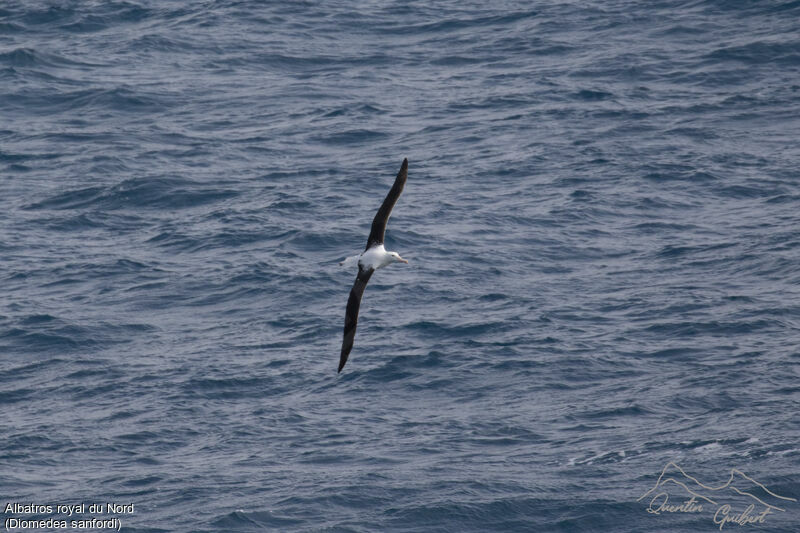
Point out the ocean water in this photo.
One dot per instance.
(601, 218)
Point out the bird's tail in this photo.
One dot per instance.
(349, 262)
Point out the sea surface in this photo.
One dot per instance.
(602, 220)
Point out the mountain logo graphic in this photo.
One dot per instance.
(740, 500)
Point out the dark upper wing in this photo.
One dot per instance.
(379, 222)
(351, 316)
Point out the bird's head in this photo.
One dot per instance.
(397, 259)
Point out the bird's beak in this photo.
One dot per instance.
(402, 260)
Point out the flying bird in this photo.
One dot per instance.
(371, 259)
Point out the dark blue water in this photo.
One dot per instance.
(601, 219)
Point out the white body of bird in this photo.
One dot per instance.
(374, 258)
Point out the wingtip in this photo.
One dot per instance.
(405, 164)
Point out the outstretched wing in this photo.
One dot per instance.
(379, 222)
(351, 316)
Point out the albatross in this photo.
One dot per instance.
(371, 259)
